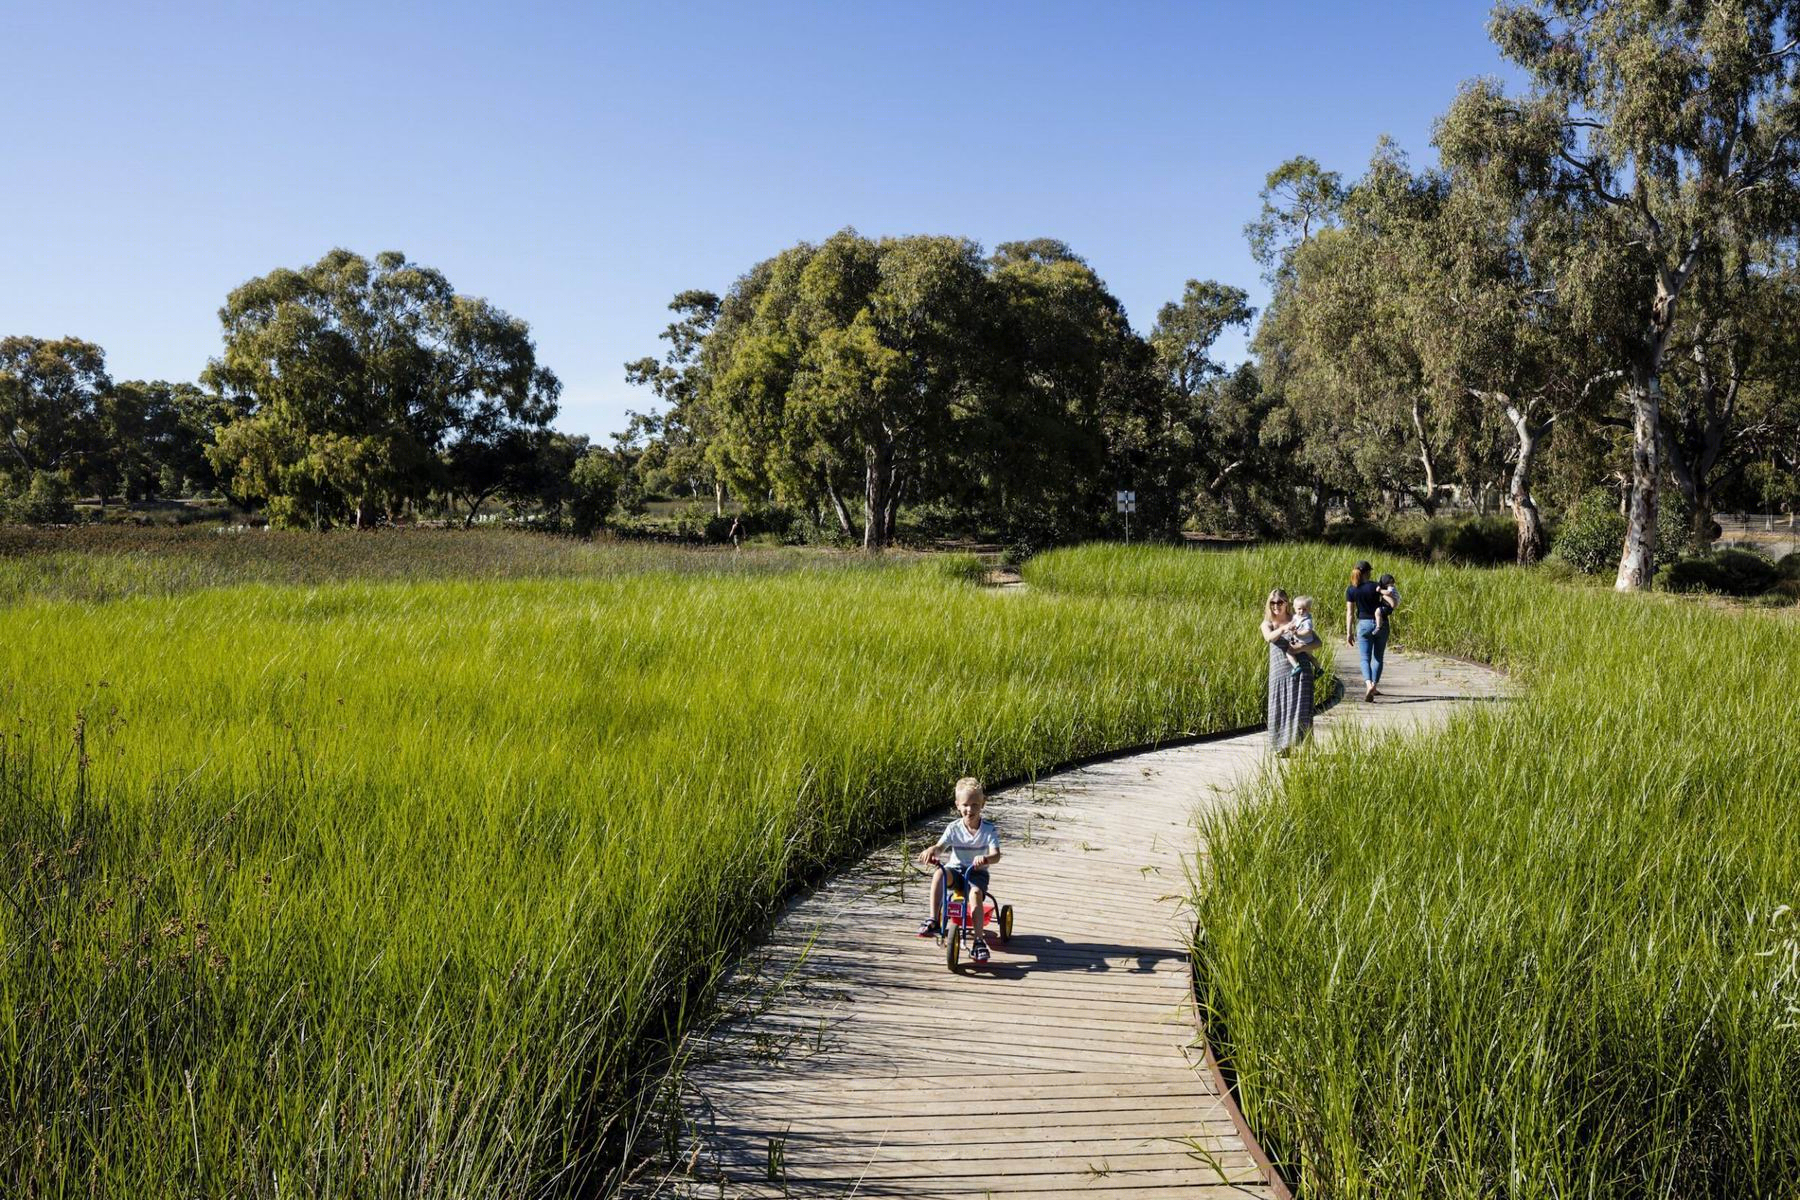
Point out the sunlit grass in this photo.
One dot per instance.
(396, 889)
(98, 563)
(1549, 952)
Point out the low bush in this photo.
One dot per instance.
(1592, 534)
(1783, 594)
(1788, 565)
(1728, 573)
(964, 568)
(1474, 541)
(1557, 570)
(45, 501)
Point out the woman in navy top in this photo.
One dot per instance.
(1362, 599)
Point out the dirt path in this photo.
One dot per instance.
(858, 1064)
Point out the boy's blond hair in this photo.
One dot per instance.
(1302, 603)
(969, 788)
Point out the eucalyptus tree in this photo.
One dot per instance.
(51, 390)
(838, 369)
(1060, 392)
(1665, 126)
(145, 440)
(675, 439)
(366, 384)
(1730, 351)
(1764, 469)
(1496, 327)
(1214, 422)
(1310, 424)
(1343, 342)
(1300, 204)
(173, 424)
(1299, 199)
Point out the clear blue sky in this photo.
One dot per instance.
(579, 164)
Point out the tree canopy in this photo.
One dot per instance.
(356, 379)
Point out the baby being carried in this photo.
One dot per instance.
(1298, 634)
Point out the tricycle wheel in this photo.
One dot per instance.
(953, 949)
(1006, 923)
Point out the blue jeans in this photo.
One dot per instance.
(1370, 647)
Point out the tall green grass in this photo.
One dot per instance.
(1550, 952)
(397, 889)
(99, 563)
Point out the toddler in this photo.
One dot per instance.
(1390, 600)
(1299, 630)
(972, 844)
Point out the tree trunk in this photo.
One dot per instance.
(1525, 510)
(1637, 562)
(878, 480)
(718, 498)
(843, 512)
(1318, 510)
(890, 514)
(475, 505)
(1428, 497)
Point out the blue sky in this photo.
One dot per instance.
(579, 164)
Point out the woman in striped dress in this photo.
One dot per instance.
(1290, 690)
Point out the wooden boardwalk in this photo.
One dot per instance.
(857, 1064)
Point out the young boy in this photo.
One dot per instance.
(972, 844)
(1300, 629)
(1390, 600)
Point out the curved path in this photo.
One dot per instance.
(853, 1062)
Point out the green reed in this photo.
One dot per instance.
(402, 889)
(1552, 951)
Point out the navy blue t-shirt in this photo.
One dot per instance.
(1367, 598)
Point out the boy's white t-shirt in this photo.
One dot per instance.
(965, 845)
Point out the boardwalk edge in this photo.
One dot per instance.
(1225, 1084)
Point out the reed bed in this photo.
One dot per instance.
(1550, 952)
(100, 563)
(403, 889)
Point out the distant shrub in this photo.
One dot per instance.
(1478, 541)
(1784, 593)
(1592, 534)
(1729, 573)
(1357, 533)
(46, 501)
(1470, 541)
(1556, 570)
(1788, 565)
(1674, 528)
(965, 568)
(594, 484)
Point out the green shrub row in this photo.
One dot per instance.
(1469, 541)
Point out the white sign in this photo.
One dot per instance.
(1127, 502)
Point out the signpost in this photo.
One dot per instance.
(1128, 505)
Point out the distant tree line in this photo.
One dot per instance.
(1597, 288)
(1007, 392)
(348, 392)
(1593, 293)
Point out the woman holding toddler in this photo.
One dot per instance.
(1287, 628)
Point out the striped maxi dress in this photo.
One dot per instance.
(1290, 699)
